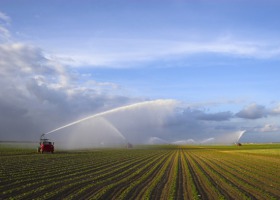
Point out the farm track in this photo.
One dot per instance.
(169, 172)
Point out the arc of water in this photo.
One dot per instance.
(114, 128)
(160, 102)
(240, 135)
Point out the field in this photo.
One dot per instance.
(154, 172)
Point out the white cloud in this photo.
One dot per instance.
(275, 111)
(24, 58)
(123, 53)
(267, 128)
(38, 93)
(5, 18)
(5, 34)
(255, 111)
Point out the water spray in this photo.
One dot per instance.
(115, 129)
(42, 136)
(240, 135)
(122, 108)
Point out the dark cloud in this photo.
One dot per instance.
(220, 116)
(253, 111)
(193, 124)
(205, 116)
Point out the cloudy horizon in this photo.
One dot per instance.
(202, 72)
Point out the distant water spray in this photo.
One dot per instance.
(240, 135)
(119, 109)
(139, 123)
(88, 134)
(224, 138)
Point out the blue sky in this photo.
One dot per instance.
(216, 56)
(187, 44)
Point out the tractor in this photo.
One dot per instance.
(45, 145)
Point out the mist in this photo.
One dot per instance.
(140, 123)
(136, 123)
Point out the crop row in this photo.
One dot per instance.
(158, 173)
(47, 179)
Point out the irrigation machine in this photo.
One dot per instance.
(45, 145)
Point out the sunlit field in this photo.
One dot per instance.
(143, 172)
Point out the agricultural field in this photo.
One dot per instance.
(146, 172)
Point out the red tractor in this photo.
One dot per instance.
(45, 145)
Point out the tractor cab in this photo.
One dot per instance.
(45, 145)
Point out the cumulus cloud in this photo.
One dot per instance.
(253, 111)
(275, 111)
(38, 93)
(266, 128)
(5, 18)
(269, 128)
(220, 116)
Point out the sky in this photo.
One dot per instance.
(208, 69)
